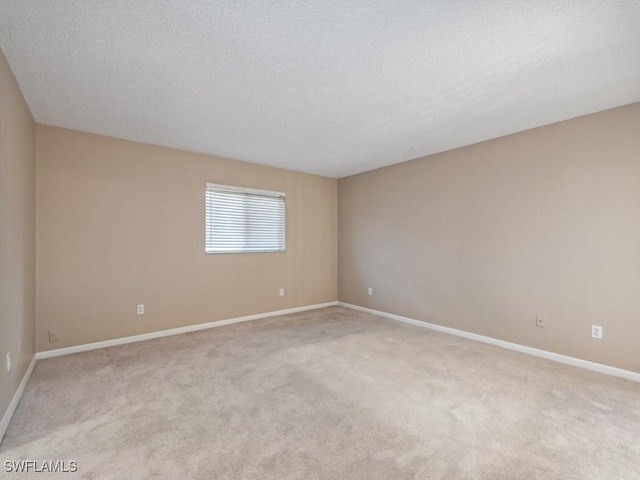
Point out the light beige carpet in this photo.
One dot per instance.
(327, 394)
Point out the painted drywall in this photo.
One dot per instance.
(122, 223)
(17, 234)
(327, 87)
(486, 237)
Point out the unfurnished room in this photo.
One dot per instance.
(270, 240)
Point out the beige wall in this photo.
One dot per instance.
(122, 223)
(485, 237)
(17, 234)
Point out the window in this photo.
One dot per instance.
(243, 220)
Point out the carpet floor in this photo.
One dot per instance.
(324, 394)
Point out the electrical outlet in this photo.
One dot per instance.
(370, 291)
(53, 336)
(140, 309)
(596, 332)
(282, 292)
(540, 321)
(9, 362)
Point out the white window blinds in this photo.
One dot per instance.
(244, 220)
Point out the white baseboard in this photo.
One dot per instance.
(174, 331)
(556, 357)
(8, 414)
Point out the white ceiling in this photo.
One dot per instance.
(330, 87)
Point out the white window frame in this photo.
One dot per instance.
(251, 192)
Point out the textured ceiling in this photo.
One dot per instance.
(328, 87)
